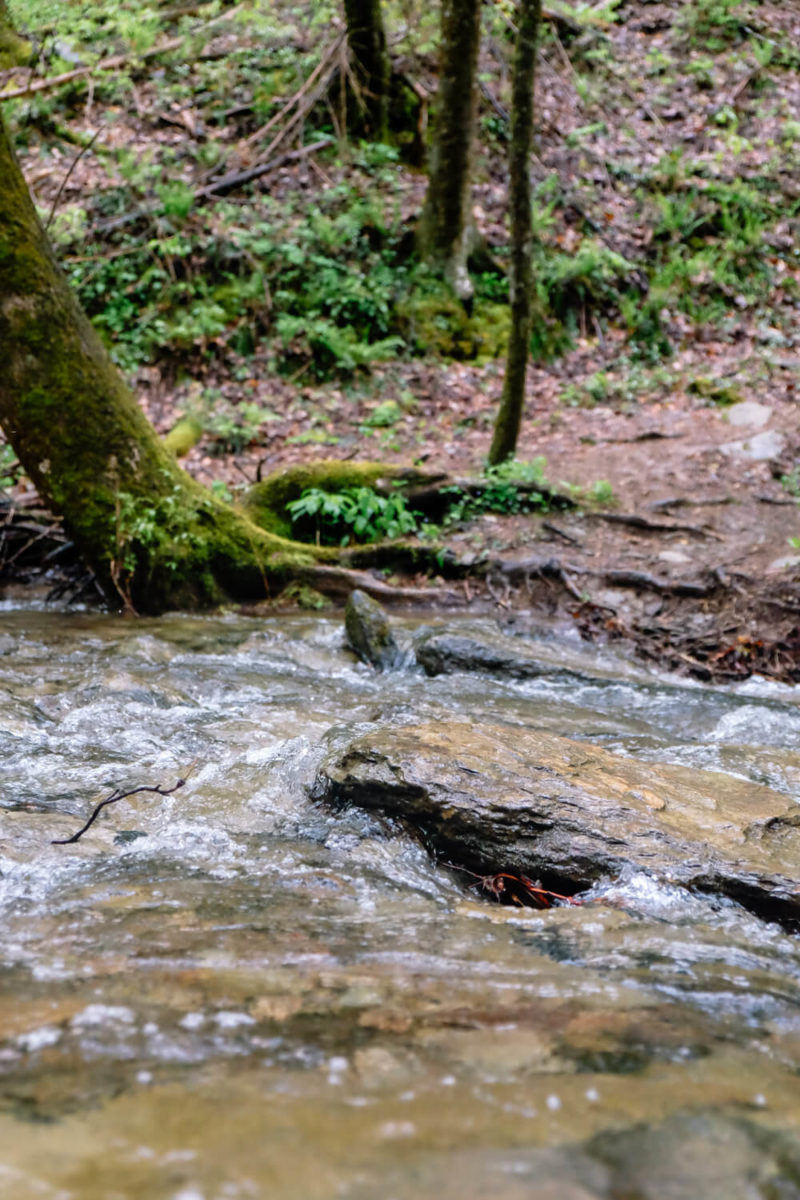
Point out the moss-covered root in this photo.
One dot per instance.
(265, 502)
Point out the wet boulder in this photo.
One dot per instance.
(369, 633)
(445, 653)
(497, 798)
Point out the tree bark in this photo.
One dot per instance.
(446, 232)
(366, 42)
(509, 416)
(155, 538)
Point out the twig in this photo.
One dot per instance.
(65, 180)
(112, 799)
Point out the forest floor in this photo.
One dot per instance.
(667, 157)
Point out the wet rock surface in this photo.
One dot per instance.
(369, 633)
(445, 653)
(495, 798)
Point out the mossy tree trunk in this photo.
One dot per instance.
(366, 41)
(14, 50)
(154, 536)
(446, 231)
(509, 416)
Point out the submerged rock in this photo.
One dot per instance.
(570, 813)
(369, 633)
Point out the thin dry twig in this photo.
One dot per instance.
(118, 795)
(65, 180)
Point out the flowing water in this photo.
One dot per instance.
(229, 992)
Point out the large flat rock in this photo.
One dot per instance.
(495, 798)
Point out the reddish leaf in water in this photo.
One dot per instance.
(508, 888)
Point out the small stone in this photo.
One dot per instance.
(749, 413)
(784, 563)
(759, 448)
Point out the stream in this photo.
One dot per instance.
(231, 992)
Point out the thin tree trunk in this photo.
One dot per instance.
(366, 42)
(509, 416)
(446, 230)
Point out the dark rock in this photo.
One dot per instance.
(368, 632)
(570, 813)
(445, 653)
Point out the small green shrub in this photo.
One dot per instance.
(9, 466)
(715, 24)
(360, 514)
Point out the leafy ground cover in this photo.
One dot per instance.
(287, 318)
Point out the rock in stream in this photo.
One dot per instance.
(369, 633)
(498, 798)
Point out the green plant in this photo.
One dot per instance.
(359, 513)
(9, 467)
(232, 426)
(791, 484)
(715, 24)
(502, 493)
(384, 415)
(161, 532)
(221, 491)
(177, 199)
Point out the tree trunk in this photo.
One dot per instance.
(446, 230)
(154, 536)
(14, 50)
(366, 42)
(509, 416)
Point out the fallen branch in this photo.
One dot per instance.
(301, 101)
(226, 183)
(112, 799)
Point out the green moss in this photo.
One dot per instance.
(715, 390)
(434, 321)
(304, 596)
(265, 503)
(14, 50)
(185, 434)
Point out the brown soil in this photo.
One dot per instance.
(691, 560)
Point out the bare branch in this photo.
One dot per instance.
(113, 798)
